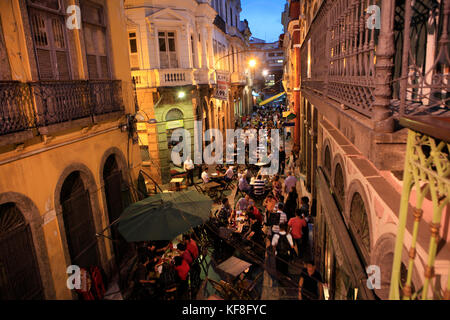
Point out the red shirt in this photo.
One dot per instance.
(258, 215)
(296, 224)
(187, 256)
(183, 270)
(193, 249)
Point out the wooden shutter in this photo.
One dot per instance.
(48, 32)
(95, 40)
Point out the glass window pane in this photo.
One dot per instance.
(132, 35)
(162, 44)
(172, 45)
(133, 46)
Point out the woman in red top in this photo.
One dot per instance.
(191, 246)
(182, 268)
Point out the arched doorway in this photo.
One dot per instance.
(78, 222)
(19, 272)
(118, 197)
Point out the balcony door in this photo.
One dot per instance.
(49, 39)
(95, 38)
(167, 50)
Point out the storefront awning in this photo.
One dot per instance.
(272, 99)
(345, 252)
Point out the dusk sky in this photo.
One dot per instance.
(264, 18)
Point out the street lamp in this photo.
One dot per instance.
(265, 72)
(252, 63)
(181, 94)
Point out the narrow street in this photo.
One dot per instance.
(250, 150)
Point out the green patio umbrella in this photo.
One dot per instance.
(291, 116)
(164, 216)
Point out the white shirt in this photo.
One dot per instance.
(205, 177)
(276, 237)
(230, 173)
(188, 165)
(290, 182)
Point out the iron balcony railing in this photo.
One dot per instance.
(426, 188)
(17, 112)
(29, 105)
(356, 53)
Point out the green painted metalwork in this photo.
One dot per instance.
(427, 171)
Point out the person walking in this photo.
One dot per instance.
(296, 226)
(282, 160)
(291, 203)
(284, 248)
(310, 284)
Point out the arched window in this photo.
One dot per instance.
(174, 114)
(339, 185)
(19, 272)
(359, 224)
(327, 160)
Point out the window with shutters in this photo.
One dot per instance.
(95, 39)
(167, 50)
(50, 40)
(134, 57)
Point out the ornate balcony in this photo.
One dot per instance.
(46, 105)
(16, 107)
(376, 70)
(163, 77)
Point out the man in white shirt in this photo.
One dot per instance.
(229, 174)
(283, 241)
(205, 176)
(188, 166)
(289, 182)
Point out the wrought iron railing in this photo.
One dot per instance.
(39, 104)
(364, 61)
(427, 175)
(16, 107)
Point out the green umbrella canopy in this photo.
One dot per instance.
(291, 116)
(164, 216)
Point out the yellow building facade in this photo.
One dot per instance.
(68, 161)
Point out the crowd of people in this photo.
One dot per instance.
(164, 267)
(281, 223)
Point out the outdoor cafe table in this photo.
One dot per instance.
(234, 266)
(175, 183)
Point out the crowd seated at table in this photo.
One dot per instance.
(164, 268)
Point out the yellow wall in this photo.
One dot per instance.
(35, 170)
